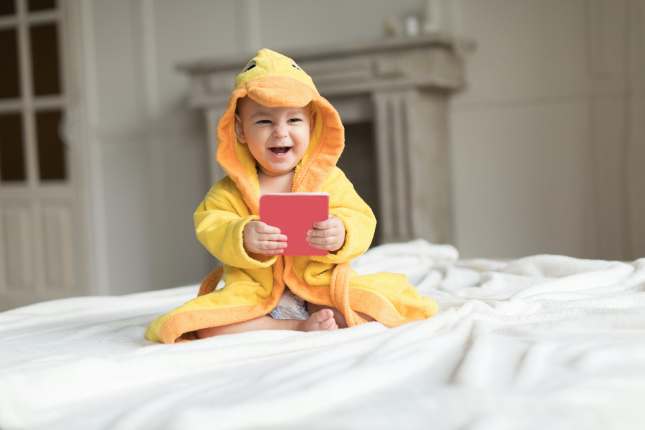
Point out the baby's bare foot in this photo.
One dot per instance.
(321, 320)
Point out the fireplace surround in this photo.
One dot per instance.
(392, 96)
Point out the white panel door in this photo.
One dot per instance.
(40, 234)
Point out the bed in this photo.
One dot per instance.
(544, 342)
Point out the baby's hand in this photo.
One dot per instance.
(263, 240)
(329, 234)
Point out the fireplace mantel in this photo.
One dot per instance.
(402, 87)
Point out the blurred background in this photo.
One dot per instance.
(103, 160)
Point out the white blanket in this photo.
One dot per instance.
(543, 342)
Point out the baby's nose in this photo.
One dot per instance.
(280, 130)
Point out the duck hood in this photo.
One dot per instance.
(275, 80)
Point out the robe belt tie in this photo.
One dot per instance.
(209, 283)
(339, 294)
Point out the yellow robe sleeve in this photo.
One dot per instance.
(219, 224)
(356, 215)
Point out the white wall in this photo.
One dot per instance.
(537, 135)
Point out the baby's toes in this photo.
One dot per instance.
(324, 315)
(332, 323)
(319, 316)
(328, 324)
(323, 320)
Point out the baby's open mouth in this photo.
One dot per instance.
(282, 150)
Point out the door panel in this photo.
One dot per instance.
(17, 248)
(58, 250)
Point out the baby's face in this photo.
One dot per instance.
(276, 137)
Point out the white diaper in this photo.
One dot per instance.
(290, 307)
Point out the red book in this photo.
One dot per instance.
(294, 214)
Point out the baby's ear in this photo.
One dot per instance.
(239, 131)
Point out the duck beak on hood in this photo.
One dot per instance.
(274, 80)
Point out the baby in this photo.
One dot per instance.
(279, 135)
(277, 138)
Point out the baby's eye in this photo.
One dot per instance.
(263, 122)
(295, 119)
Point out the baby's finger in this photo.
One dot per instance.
(272, 237)
(331, 232)
(322, 242)
(323, 225)
(316, 233)
(266, 228)
(315, 245)
(273, 251)
(266, 245)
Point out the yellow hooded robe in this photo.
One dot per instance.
(252, 287)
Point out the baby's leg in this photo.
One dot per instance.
(322, 320)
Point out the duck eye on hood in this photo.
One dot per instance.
(295, 66)
(249, 66)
